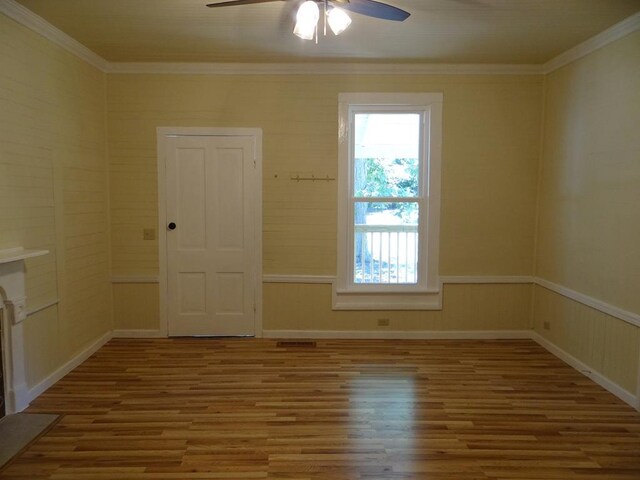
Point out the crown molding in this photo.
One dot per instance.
(322, 69)
(622, 29)
(27, 18)
(39, 25)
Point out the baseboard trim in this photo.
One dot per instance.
(138, 334)
(401, 335)
(587, 371)
(57, 375)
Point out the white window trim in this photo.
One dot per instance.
(427, 294)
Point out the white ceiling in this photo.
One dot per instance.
(438, 31)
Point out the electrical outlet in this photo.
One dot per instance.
(383, 322)
(149, 234)
(547, 325)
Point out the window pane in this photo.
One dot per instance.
(383, 177)
(385, 242)
(386, 154)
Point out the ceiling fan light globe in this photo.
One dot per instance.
(307, 20)
(338, 20)
(305, 30)
(308, 12)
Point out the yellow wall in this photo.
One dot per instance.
(465, 307)
(490, 164)
(53, 192)
(589, 206)
(136, 306)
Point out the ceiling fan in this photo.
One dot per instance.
(333, 13)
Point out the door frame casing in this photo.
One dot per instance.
(162, 134)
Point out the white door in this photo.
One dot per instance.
(210, 236)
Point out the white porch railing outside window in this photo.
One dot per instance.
(386, 254)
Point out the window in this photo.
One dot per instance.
(389, 201)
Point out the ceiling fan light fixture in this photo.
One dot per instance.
(307, 20)
(338, 20)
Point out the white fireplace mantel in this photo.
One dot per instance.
(12, 302)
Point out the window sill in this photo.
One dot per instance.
(341, 300)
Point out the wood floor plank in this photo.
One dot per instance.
(344, 410)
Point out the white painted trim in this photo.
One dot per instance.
(256, 133)
(425, 295)
(165, 132)
(638, 385)
(18, 253)
(625, 27)
(322, 69)
(162, 225)
(324, 279)
(43, 307)
(41, 387)
(629, 317)
(39, 25)
(486, 279)
(138, 334)
(385, 300)
(208, 132)
(135, 279)
(402, 335)
(587, 371)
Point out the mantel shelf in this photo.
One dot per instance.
(16, 254)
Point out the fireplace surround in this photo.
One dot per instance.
(12, 315)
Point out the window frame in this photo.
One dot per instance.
(426, 294)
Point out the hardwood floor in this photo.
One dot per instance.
(246, 409)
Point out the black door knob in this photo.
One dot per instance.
(171, 226)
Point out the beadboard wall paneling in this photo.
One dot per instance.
(606, 344)
(491, 138)
(465, 307)
(53, 192)
(588, 236)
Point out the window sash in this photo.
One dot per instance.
(420, 199)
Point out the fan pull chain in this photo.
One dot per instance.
(325, 17)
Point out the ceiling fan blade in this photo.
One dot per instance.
(371, 8)
(232, 3)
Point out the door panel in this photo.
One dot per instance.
(210, 254)
(191, 202)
